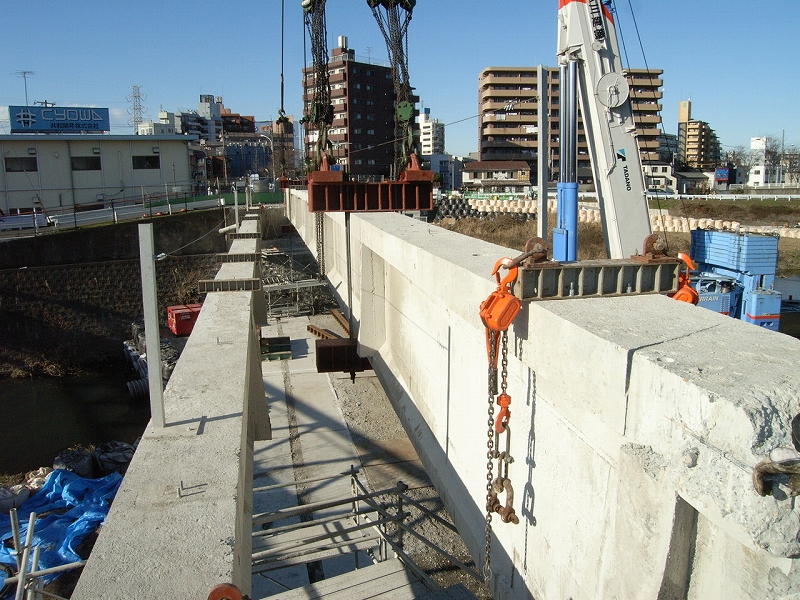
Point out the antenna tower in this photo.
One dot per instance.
(136, 110)
(25, 77)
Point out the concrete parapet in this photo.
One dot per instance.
(637, 421)
(181, 522)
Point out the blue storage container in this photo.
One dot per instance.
(753, 253)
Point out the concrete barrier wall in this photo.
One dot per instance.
(181, 522)
(636, 421)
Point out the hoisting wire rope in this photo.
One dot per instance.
(282, 118)
(395, 32)
(371, 146)
(321, 109)
(648, 162)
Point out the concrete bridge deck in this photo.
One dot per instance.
(637, 423)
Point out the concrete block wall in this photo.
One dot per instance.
(80, 313)
(181, 522)
(636, 421)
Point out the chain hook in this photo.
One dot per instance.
(504, 284)
(504, 416)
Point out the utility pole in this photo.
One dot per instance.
(783, 155)
(44, 103)
(25, 78)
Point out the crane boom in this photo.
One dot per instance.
(587, 36)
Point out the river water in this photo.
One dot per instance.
(41, 417)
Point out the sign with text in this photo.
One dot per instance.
(58, 119)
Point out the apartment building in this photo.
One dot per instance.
(645, 89)
(698, 145)
(362, 132)
(509, 120)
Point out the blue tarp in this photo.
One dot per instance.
(73, 507)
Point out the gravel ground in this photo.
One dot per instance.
(370, 417)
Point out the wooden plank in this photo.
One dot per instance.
(387, 579)
(454, 592)
(333, 550)
(346, 581)
(398, 586)
(310, 538)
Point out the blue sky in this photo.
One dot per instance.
(737, 61)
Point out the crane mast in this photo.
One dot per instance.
(588, 54)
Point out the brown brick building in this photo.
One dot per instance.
(362, 131)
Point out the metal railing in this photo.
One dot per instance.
(368, 511)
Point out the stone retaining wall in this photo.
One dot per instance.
(65, 318)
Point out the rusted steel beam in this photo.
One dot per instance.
(352, 196)
(340, 355)
(322, 333)
(329, 192)
(341, 319)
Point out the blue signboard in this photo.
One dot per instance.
(58, 119)
(722, 174)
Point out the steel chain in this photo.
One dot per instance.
(320, 233)
(504, 363)
(490, 455)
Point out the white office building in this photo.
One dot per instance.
(61, 171)
(431, 134)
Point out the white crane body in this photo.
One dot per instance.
(587, 35)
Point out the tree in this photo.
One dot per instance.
(791, 163)
(741, 156)
(772, 158)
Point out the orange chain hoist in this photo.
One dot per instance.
(497, 313)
